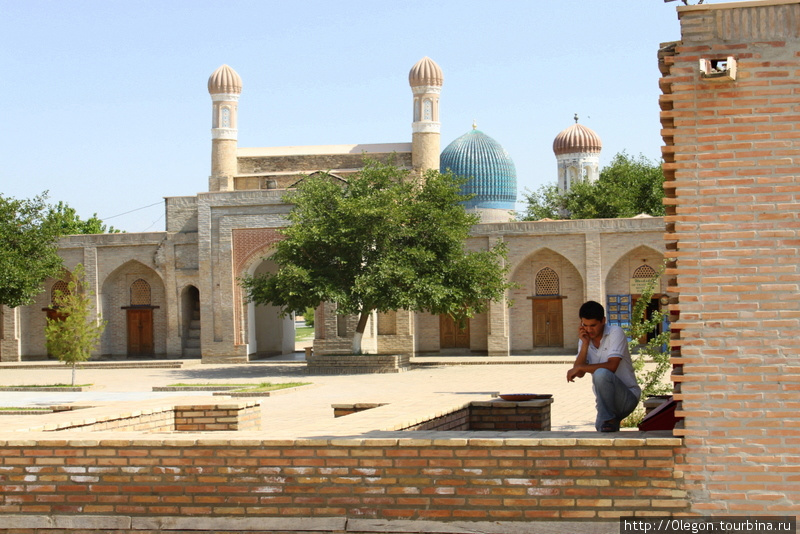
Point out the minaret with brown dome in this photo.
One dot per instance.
(577, 150)
(224, 85)
(426, 81)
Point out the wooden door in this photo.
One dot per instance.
(548, 323)
(140, 331)
(450, 336)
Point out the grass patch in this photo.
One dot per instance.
(23, 409)
(49, 386)
(206, 384)
(304, 332)
(266, 386)
(634, 419)
(263, 386)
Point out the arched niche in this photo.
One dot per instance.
(267, 333)
(133, 302)
(560, 294)
(190, 325)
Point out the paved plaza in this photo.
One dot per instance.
(435, 383)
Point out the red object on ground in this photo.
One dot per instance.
(662, 418)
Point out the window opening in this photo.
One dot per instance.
(59, 288)
(140, 293)
(547, 283)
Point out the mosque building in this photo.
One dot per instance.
(175, 294)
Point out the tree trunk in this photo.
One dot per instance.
(73, 373)
(359, 333)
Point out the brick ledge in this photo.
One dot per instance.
(310, 525)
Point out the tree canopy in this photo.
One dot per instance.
(386, 240)
(28, 249)
(70, 223)
(29, 230)
(627, 187)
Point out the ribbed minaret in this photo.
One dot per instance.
(426, 80)
(224, 85)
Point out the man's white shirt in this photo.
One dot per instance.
(614, 344)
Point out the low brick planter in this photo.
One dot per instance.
(201, 417)
(347, 364)
(495, 415)
(48, 389)
(340, 410)
(220, 387)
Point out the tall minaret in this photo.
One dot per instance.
(426, 81)
(577, 151)
(224, 85)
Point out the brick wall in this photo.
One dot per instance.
(733, 193)
(336, 364)
(314, 162)
(156, 481)
(228, 416)
(497, 415)
(218, 417)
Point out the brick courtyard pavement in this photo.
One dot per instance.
(441, 382)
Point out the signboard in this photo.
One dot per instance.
(639, 285)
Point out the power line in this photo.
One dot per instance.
(131, 211)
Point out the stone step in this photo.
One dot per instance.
(191, 352)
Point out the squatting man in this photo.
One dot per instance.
(603, 353)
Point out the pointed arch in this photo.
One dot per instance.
(190, 325)
(266, 332)
(544, 275)
(132, 285)
(643, 259)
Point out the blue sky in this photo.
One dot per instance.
(106, 107)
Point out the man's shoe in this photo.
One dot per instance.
(610, 426)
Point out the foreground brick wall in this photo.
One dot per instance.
(733, 196)
(444, 479)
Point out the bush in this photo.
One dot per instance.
(308, 315)
(656, 350)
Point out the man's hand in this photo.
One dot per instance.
(575, 372)
(583, 334)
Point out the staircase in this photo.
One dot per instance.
(191, 346)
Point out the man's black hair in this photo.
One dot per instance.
(592, 310)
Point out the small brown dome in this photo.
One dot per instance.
(224, 80)
(425, 72)
(577, 138)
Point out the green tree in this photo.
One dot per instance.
(70, 223)
(73, 335)
(544, 203)
(627, 187)
(308, 315)
(386, 240)
(28, 249)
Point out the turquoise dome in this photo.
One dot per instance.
(494, 177)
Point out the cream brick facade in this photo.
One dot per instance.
(194, 306)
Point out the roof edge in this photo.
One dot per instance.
(735, 5)
(311, 150)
